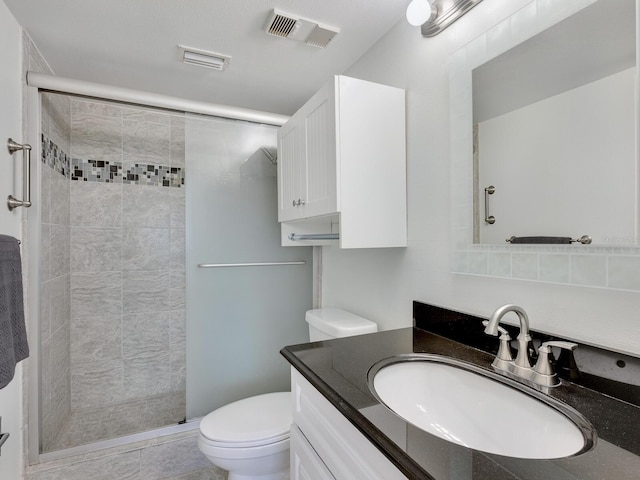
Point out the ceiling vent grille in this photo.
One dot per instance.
(320, 36)
(204, 58)
(289, 26)
(281, 25)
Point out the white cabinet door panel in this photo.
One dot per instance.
(343, 449)
(291, 172)
(305, 462)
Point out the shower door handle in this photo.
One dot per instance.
(13, 202)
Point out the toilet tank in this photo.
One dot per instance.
(328, 323)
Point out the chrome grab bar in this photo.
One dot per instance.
(13, 202)
(258, 264)
(490, 219)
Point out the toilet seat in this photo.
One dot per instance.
(222, 451)
(250, 422)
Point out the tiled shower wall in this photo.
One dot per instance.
(123, 247)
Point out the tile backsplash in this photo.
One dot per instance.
(55, 157)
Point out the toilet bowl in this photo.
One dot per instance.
(250, 437)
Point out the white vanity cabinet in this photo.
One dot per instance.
(342, 166)
(326, 446)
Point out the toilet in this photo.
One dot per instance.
(250, 437)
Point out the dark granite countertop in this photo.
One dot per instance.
(338, 369)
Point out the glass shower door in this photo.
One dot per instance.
(238, 316)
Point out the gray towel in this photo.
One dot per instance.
(13, 334)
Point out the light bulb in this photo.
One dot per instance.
(418, 12)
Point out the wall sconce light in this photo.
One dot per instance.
(433, 16)
(420, 12)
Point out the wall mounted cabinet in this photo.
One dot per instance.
(342, 166)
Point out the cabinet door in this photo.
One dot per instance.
(319, 117)
(305, 462)
(371, 144)
(347, 454)
(291, 170)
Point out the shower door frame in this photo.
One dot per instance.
(32, 414)
(37, 84)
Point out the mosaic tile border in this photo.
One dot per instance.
(148, 174)
(96, 171)
(109, 172)
(55, 157)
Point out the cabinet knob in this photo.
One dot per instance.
(301, 202)
(294, 203)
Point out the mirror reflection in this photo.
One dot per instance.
(555, 132)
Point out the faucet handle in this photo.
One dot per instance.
(503, 331)
(544, 373)
(561, 344)
(503, 357)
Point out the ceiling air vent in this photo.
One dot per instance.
(320, 36)
(280, 25)
(289, 26)
(203, 58)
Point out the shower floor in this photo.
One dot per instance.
(102, 423)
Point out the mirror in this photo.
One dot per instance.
(613, 260)
(555, 135)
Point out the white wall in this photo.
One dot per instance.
(381, 284)
(10, 222)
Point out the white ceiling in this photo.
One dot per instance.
(133, 44)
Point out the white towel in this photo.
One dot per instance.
(13, 334)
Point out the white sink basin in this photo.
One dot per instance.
(469, 406)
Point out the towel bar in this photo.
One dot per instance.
(584, 239)
(260, 264)
(313, 236)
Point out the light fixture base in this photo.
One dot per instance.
(448, 12)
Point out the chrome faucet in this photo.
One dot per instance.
(522, 365)
(543, 373)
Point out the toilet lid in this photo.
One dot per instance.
(252, 421)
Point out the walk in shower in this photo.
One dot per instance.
(137, 329)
